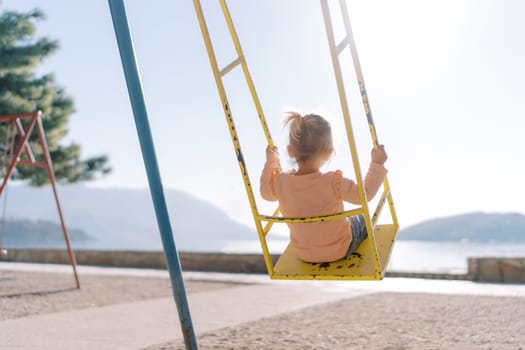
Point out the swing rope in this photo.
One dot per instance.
(2, 228)
(6, 156)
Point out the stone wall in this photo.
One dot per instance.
(510, 270)
(217, 262)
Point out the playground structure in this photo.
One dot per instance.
(377, 249)
(17, 151)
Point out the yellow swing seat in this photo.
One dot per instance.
(359, 265)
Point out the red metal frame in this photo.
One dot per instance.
(34, 121)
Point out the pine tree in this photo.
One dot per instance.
(22, 91)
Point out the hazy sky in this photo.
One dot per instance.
(446, 81)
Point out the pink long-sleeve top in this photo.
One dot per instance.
(317, 194)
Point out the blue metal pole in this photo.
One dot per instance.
(138, 104)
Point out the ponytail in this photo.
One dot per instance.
(309, 134)
(295, 122)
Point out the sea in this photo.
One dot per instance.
(418, 255)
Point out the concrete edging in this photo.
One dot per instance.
(510, 270)
(216, 262)
(480, 269)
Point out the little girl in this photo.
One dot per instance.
(307, 192)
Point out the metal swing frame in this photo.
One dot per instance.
(25, 124)
(371, 258)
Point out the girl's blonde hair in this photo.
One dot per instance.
(310, 135)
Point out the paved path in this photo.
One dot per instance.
(140, 324)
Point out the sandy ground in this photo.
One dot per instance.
(388, 321)
(59, 292)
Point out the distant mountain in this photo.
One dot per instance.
(125, 219)
(474, 227)
(22, 233)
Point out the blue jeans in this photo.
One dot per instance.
(357, 223)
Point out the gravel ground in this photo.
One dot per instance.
(95, 291)
(387, 321)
